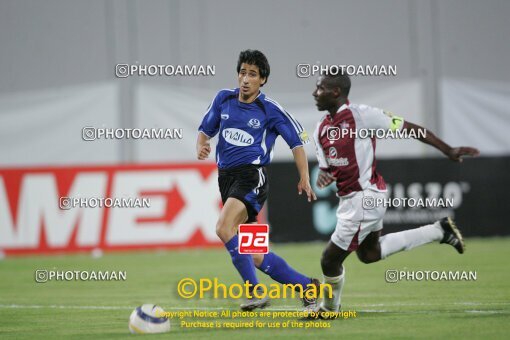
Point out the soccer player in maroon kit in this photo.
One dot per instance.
(350, 161)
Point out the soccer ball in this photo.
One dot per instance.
(148, 319)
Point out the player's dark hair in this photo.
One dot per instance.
(340, 80)
(257, 58)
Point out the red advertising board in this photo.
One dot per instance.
(184, 207)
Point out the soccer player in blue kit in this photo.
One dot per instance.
(248, 124)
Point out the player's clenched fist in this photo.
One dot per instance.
(203, 151)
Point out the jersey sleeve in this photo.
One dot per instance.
(321, 157)
(287, 126)
(375, 118)
(212, 117)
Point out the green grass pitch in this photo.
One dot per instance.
(410, 309)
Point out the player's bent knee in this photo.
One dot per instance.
(328, 262)
(223, 231)
(365, 260)
(368, 257)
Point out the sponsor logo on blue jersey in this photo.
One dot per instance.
(237, 137)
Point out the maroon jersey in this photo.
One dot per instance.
(345, 151)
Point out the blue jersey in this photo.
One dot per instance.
(247, 132)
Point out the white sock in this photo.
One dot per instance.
(409, 239)
(337, 283)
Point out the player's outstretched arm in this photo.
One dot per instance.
(455, 154)
(304, 177)
(203, 146)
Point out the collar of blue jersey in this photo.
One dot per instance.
(260, 96)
